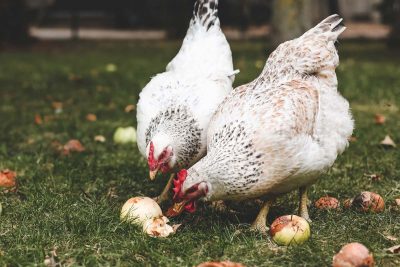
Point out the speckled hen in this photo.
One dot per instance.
(175, 107)
(277, 133)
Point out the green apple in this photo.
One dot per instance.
(125, 135)
(290, 230)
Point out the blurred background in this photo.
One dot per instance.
(26, 21)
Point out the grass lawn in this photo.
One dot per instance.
(72, 204)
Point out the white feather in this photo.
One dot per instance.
(198, 78)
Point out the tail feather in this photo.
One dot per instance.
(332, 27)
(206, 13)
(310, 54)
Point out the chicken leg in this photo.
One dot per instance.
(260, 223)
(303, 199)
(164, 194)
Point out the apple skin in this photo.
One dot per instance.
(327, 203)
(158, 227)
(138, 210)
(290, 230)
(368, 202)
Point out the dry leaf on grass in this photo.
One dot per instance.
(129, 108)
(52, 260)
(379, 119)
(91, 117)
(57, 106)
(397, 201)
(112, 192)
(352, 139)
(7, 178)
(388, 142)
(74, 78)
(220, 264)
(99, 138)
(394, 249)
(38, 119)
(391, 238)
(72, 146)
(347, 203)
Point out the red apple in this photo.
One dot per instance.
(327, 203)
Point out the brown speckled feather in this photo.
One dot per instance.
(282, 130)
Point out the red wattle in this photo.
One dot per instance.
(151, 160)
(176, 182)
(191, 207)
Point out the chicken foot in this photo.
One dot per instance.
(260, 223)
(303, 199)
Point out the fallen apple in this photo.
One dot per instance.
(327, 203)
(290, 230)
(388, 142)
(380, 119)
(99, 138)
(353, 255)
(368, 201)
(138, 210)
(129, 108)
(111, 67)
(7, 178)
(125, 135)
(91, 117)
(72, 146)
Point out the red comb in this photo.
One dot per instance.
(181, 177)
(150, 160)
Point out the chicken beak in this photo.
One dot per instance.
(153, 174)
(176, 209)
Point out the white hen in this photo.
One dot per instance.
(175, 107)
(277, 133)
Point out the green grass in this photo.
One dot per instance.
(63, 202)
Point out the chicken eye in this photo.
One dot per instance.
(191, 190)
(162, 155)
